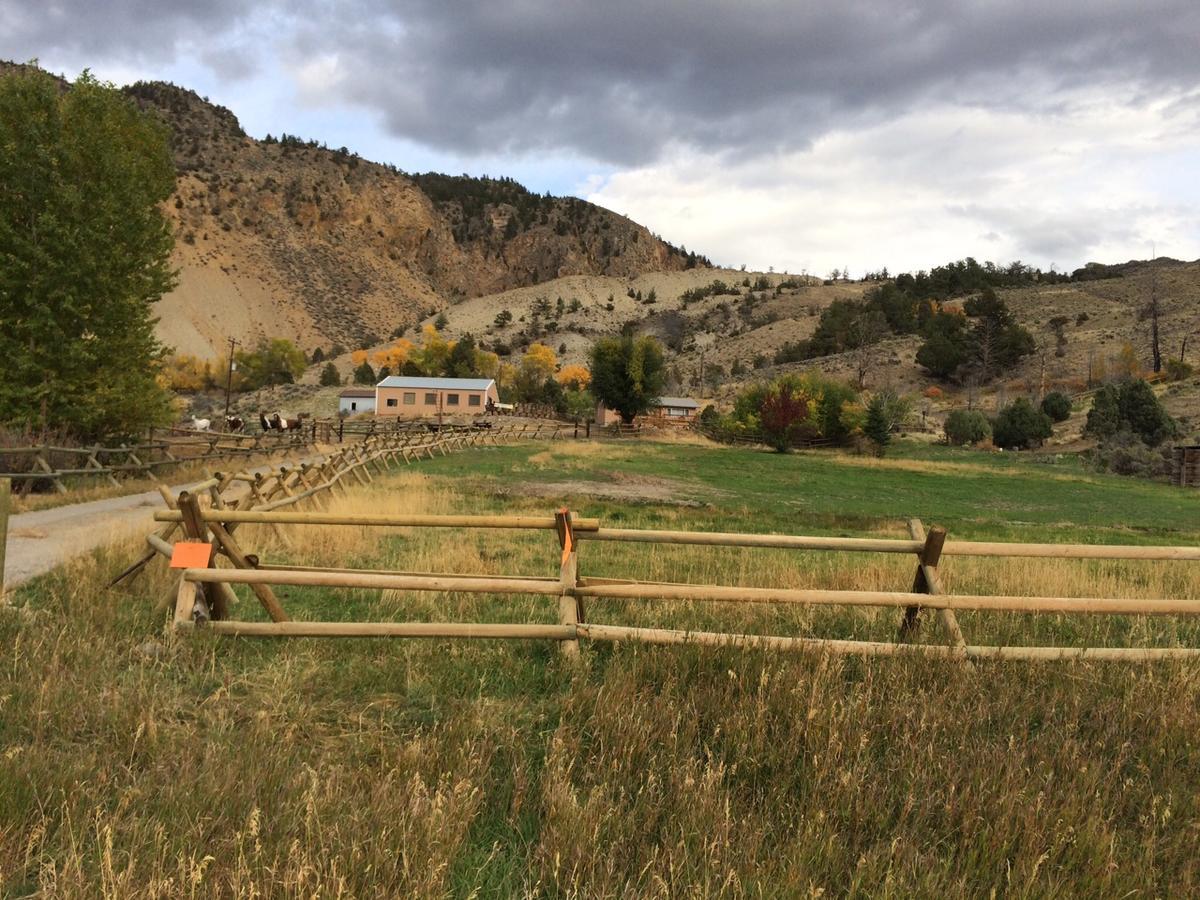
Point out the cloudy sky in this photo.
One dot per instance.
(804, 136)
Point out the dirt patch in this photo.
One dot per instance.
(623, 486)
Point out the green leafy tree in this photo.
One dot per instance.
(330, 376)
(277, 361)
(84, 255)
(628, 373)
(967, 426)
(581, 405)
(1020, 426)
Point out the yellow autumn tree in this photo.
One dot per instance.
(431, 357)
(394, 355)
(574, 376)
(538, 364)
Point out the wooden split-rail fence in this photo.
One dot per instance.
(59, 466)
(269, 490)
(201, 598)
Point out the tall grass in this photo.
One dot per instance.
(435, 768)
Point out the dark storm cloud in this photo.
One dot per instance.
(619, 80)
(90, 31)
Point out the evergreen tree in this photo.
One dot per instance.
(461, 362)
(84, 254)
(364, 374)
(878, 426)
(330, 376)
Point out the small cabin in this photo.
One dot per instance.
(417, 397)
(663, 411)
(353, 401)
(675, 410)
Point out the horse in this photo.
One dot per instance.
(264, 422)
(234, 423)
(279, 423)
(201, 424)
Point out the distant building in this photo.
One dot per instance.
(663, 411)
(353, 401)
(418, 397)
(680, 409)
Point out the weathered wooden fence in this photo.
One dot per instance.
(57, 466)
(199, 603)
(307, 480)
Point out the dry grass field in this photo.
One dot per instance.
(134, 765)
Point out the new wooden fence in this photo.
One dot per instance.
(201, 594)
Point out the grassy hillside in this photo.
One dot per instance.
(492, 769)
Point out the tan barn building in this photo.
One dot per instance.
(417, 397)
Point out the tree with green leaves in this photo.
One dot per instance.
(628, 374)
(277, 361)
(84, 254)
(1020, 426)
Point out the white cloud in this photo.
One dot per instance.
(1090, 180)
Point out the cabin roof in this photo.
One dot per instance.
(437, 384)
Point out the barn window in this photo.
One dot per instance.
(473, 400)
(431, 399)
(452, 399)
(391, 401)
(353, 406)
(410, 397)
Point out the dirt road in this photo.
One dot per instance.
(40, 540)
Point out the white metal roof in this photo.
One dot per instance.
(420, 382)
(678, 402)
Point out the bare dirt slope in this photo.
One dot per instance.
(286, 238)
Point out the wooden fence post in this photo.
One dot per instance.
(926, 581)
(217, 602)
(5, 504)
(568, 572)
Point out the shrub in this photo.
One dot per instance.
(967, 426)
(1178, 370)
(783, 415)
(1020, 426)
(1130, 406)
(1057, 406)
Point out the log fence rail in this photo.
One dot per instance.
(198, 598)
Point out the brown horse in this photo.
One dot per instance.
(279, 423)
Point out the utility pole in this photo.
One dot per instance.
(1155, 350)
(229, 376)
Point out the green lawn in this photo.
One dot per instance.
(430, 768)
(1015, 497)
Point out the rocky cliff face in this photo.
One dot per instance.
(287, 238)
